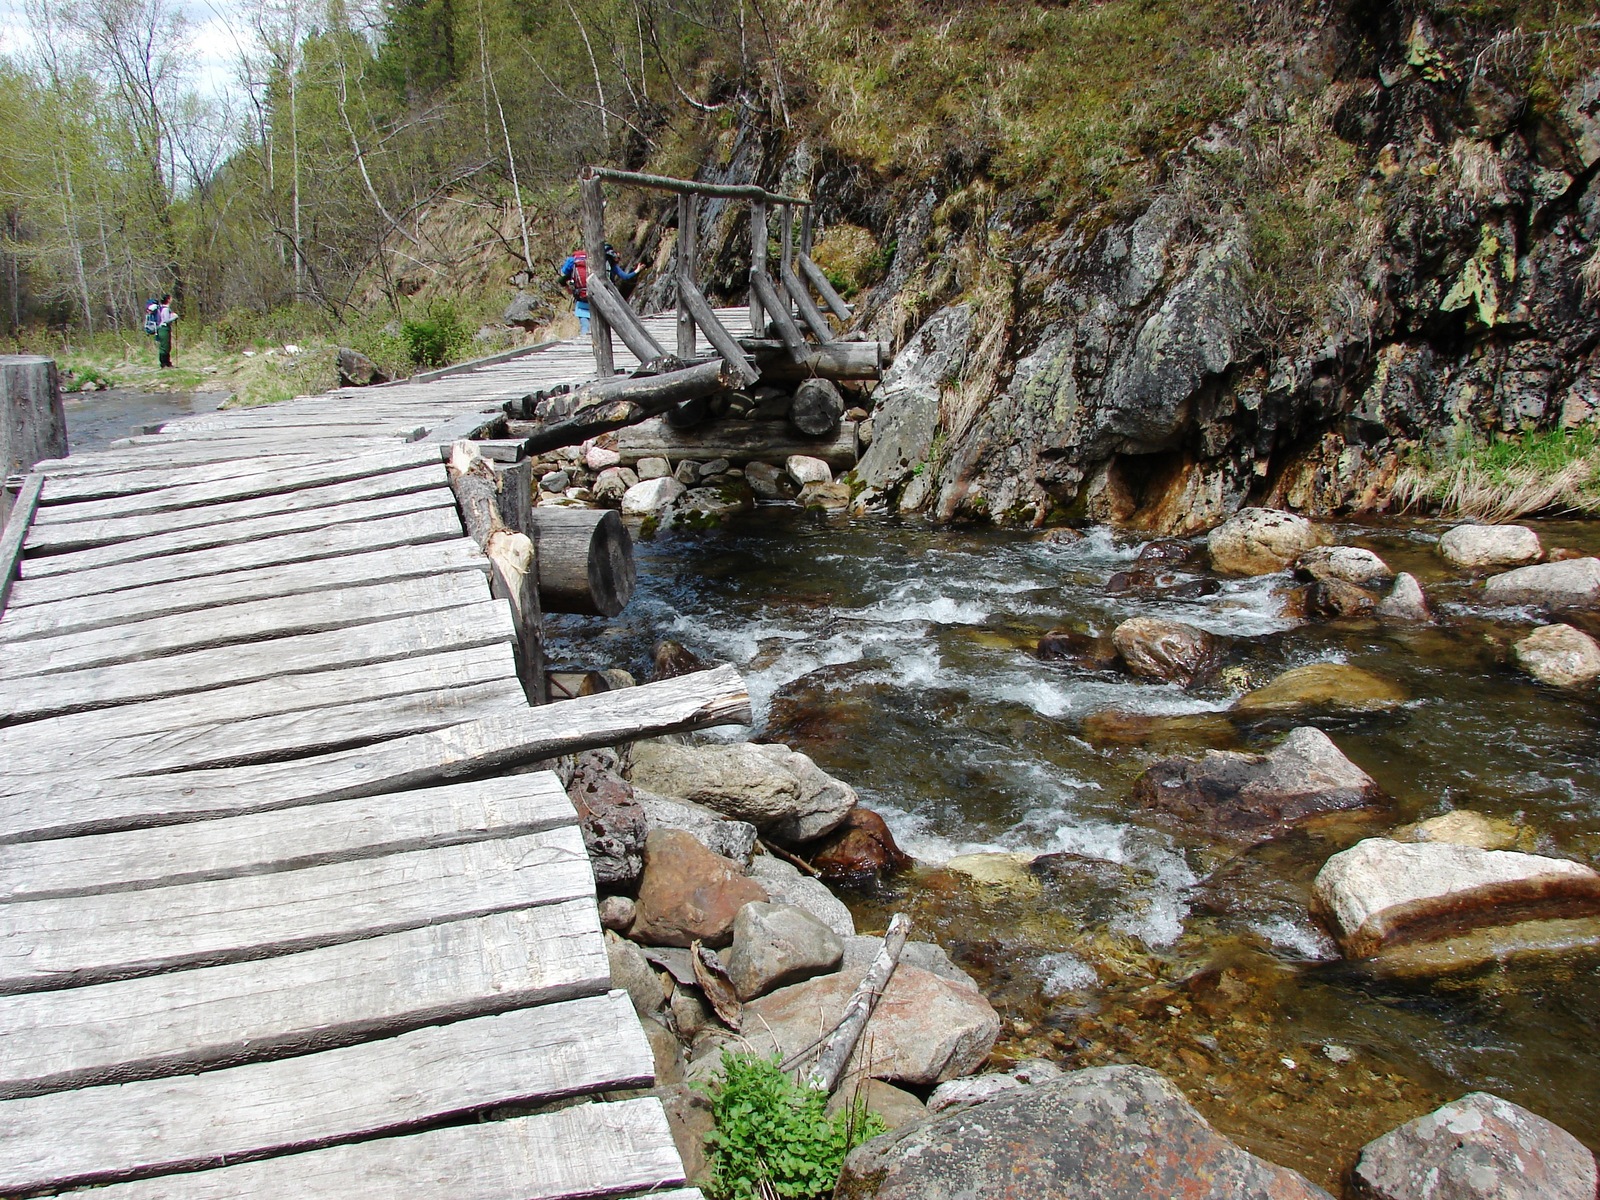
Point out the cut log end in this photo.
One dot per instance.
(817, 408)
(585, 561)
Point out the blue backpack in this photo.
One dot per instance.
(152, 317)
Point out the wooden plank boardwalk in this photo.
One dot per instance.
(281, 913)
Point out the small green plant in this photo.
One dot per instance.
(437, 336)
(90, 379)
(774, 1137)
(1501, 478)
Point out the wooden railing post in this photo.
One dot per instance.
(786, 242)
(33, 423)
(805, 231)
(758, 263)
(594, 245)
(688, 235)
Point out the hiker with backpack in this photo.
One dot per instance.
(575, 278)
(158, 319)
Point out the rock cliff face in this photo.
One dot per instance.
(1393, 239)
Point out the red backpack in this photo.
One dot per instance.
(580, 275)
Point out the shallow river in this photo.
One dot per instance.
(900, 658)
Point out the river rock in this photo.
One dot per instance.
(1168, 551)
(688, 473)
(1113, 1133)
(1405, 601)
(1480, 546)
(1071, 645)
(860, 950)
(555, 482)
(897, 1107)
(1463, 827)
(860, 850)
(614, 824)
(670, 659)
(617, 912)
(924, 1030)
(652, 497)
(1171, 651)
(803, 469)
(708, 504)
(778, 944)
(1381, 894)
(1322, 687)
(600, 458)
(1574, 582)
(1118, 726)
(1560, 656)
(734, 840)
(786, 885)
(781, 792)
(1258, 541)
(975, 1089)
(833, 496)
(1002, 872)
(1347, 564)
(612, 485)
(1252, 797)
(653, 468)
(687, 893)
(689, 1117)
(631, 972)
(765, 481)
(357, 370)
(1479, 1147)
(1330, 599)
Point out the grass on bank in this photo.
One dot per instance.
(1501, 478)
(265, 358)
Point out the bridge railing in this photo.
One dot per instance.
(775, 299)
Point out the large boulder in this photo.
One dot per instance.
(1322, 687)
(924, 1030)
(688, 894)
(1171, 651)
(1559, 655)
(1575, 581)
(1446, 905)
(1477, 547)
(1259, 541)
(1479, 1147)
(777, 944)
(786, 885)
(803, 469)
(1113, 1133)
(1251, 797)
(1347, 564)
(781, 792)
(527, 311)
(861, 949)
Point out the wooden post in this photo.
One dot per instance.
(605, 301)
(33, 425)
(809, 312)
(594, 245)
(706, 317)
(688, 235)
(758, 263)
(785, 242)
(824, 289)
(585, 561)
(805, 231)
(793, 340)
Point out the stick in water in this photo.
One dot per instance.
(841, 1042)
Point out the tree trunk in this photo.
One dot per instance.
(836, 360)
(585, 561)
(602, 407)
(739, 442)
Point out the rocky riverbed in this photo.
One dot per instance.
(1159, 797)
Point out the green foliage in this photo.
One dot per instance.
(1499, 478)
(89, 379)
(436, 336)
(773, 1137)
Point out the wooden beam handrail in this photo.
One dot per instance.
(778, 312)
(809, 312)
(665, 183)
(824, 289)
(723, 342)
(605, 300)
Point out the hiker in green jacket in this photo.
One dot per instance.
(165, 316)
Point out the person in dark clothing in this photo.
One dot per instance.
(575, 278)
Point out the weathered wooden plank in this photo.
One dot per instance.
(296, 697)
(202, 594)
(252, 621)
(431, 525)
(475, 624)
(535, 1054)
(159, 491)
(76, 940)
(295, 1003)
(17, 521)
(84, 804)
(253, 529)
(284, 840)
(587, 1150)
(262, 739)
(78, 535)
(217, 454)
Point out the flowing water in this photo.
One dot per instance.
(96, 419)
(900, 657)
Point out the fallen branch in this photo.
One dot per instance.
(841, 1043)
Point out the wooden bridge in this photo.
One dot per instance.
(279, 916)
